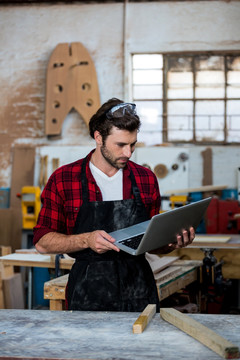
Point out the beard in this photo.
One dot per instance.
(117, 163)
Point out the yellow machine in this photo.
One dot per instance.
(31, 205)
(178, 200)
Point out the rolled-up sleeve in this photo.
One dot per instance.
(51, 217)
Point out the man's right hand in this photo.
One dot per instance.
(100, 241)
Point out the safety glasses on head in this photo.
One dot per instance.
(121, 109)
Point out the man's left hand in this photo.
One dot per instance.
(183, 240)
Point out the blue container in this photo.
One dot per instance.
(229, 194)
(40, 276)
(195, 196)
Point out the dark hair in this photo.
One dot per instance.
(101, 123)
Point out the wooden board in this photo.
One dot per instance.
(167, 273)
(207, 188)
(71, 84)
(201, 333)
(207, 166)
(144, 319)
(211, 239)
(22, 172)
(37, 260)
(13, 292)
(176, 282)
(43, 334)
(5, 250)
(158, 263)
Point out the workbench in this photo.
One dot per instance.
(54, 290)
(183, 274)
(228, 252)
(30, 260)
(44, 334)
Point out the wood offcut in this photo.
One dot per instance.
(144, 319)
(201, 333)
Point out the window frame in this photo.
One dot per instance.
(165, 100)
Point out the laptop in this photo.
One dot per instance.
(161, 230)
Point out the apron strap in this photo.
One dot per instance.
(84, 181)
(135, 188)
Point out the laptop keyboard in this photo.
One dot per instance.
(133, 242)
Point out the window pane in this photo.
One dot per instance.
(154, 61)
(210, 107)
(150, 138)
(147, 92)
(180, 120)
(180, 85)
(209, 120)
(150, 113)
(147, 77)
(179, 77)
(233, 63)
(233, 80)
(180, 108)
(210, 78)
(205, 62)
(179, 63)
(183, 135)
(233, 120)
(209, 135)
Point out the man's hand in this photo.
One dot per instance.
(182, 240)
(100, 242)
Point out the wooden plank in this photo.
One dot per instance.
(22, 172)
(6, 270)
(201, 333)
(176, 282)
(34, 260)
(13, 292)
(167, 273)
(195, 263)
(207, 166)
(56, 305)
(158, 263)
(26, 251)
(56, 288)
(198, 189)
(5, 250)
(144, 319)
(211, 239)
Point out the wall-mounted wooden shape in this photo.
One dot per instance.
(71, 84)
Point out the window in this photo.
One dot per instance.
(187, 98)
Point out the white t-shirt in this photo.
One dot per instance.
(111, 187)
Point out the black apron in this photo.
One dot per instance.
(112, 281)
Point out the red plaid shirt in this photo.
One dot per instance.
(62, 198)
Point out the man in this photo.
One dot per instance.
(84, 201)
